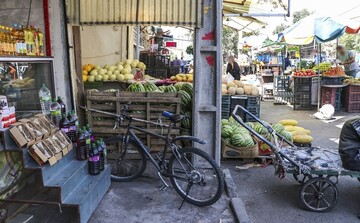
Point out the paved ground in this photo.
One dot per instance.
(269, 199)
(140, 201)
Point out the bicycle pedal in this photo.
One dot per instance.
(163, 188)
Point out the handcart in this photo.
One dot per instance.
(317, 169)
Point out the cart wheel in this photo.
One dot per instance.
(319, 194)
(301, 178)
(333, 178)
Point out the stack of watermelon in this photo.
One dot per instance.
(278, 127)
(234, 134)
(185, 89)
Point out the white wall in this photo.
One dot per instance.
(106, 44)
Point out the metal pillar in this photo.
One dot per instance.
(207, 82)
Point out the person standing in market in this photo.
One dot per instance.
(233, 68)
(287, 61)
(182, 65)
(347, 59)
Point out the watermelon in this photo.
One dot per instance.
(178, 85)
(287, 135)
(224, 122)
(188, 88)
(150, 87)
(250, 124)
(187, 122)
(170, 89)
(227, 140)
(186, 102)
(136, 87)
(232, 121)
(278, 127)
(162, 88)
(242, 140)
(259, 128)
(226, 131)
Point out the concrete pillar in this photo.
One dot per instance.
(207, 82)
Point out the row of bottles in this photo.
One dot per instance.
(20, 41)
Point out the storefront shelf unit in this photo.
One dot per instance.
(146, 106)
(352, 98)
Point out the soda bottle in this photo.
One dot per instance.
(62, 105)
(101, 154)
(45, 99)
(55, 112)
(73, 127)
(80, 146)
(92, 137)
(64, 125)
(94, 160)
(88, 140)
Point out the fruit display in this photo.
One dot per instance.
(182, 78)
(21, 83)
(239, 88)
(304, 73)
(121, 71)
(351, 80)
(334, 72)
(234, 134)
(325, 66)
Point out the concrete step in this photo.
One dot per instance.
(88, 194)
(68, 178)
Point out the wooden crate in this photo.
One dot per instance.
(146, 106)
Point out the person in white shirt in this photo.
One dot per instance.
(182, 65)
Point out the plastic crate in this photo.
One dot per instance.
(302, 101)
(225, 106)
(352, 98)
(282, 83)
(253, 101)
(332, 80)
(302, 80)
(160, 73)
(328, 95)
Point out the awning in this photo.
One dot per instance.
(134, 12)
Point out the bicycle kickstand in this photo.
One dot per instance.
(165, 185)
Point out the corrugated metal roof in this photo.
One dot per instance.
(134, 12)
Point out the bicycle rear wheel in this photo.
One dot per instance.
(126, 163)
(196, 177)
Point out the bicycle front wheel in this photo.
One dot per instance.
(126, 163)
(196, 177)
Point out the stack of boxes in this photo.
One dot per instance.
(7, 114)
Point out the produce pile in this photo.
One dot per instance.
(351, 80)
(121, 71)
(234, 134)
(335, 72)
(278, 127)
(239, 88)
(183, 78)
(325, 66)
(185, 89)
(304, 73)
(299, 134)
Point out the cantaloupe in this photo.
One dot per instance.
(254, 91)
(224, 91)
(240, 91)
(232, 90)
(231, 84)
(239, 83)
(247, 89)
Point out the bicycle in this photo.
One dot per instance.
(188, 168)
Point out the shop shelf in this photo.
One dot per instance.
(332, 80)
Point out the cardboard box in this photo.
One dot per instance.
(42, 154)
(64, 138)
(60, 144)
(46, 121)
(57, 151)
(17, 131)
(39, 131)
(4, 124)
(3, 102)
(4, 115)
(12, 113)
(39, 122)
(229, 151)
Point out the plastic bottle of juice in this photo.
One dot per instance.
(45, 99)
(62, 105)
(94, 160)
(55, 112)
(64, 125)
(88, 140)
(101, 154)
(73, 127)
(80, 146)
(92, 137)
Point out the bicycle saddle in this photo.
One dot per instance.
(173, 117)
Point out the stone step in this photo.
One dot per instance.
(68, 178)
(88, 194)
